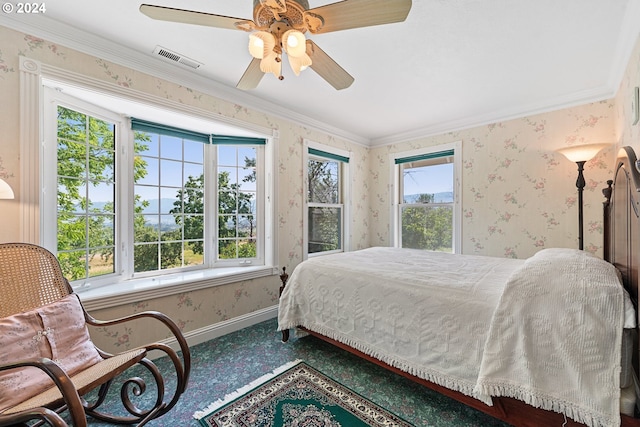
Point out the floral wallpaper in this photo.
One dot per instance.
(519, 195)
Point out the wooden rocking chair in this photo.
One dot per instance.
(48, 363)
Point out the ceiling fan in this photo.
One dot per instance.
(278, 27)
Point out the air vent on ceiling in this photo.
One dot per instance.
(174, 57)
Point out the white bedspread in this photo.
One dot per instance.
(426, 313)
(555, 337)
(546, 330)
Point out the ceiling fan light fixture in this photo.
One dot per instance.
(294, 43)
(299, 63)
(261, 44)
(271, 64)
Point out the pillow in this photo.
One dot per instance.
(57, 331)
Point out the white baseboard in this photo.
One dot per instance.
(225, 327)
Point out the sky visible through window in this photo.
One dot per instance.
(429, 179)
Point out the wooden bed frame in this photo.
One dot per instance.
(621, 210)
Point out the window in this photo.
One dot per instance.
(86, 204)
(426, 211)
(135, 198)
(327, 187)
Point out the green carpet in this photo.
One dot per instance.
(296, 395)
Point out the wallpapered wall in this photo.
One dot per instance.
(519, 196)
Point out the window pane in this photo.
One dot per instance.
(194, 253)
(237, 199)
(323, 181)
(145, 257)
(324, 229)
(101, 164)
(170, 147)
(227, 155)
(146, 228)
(85, 194)
(147, 144)
(428, 184)
(170, 173)
(101, 134)
(193, 151)
(170, 255)
(73, 264)
(101, 263)
(72, 159)
(247, 248)
(170, 200)
(227, 249)
(101, 197)
(226, 226)
(193, 226)
(429, 227)
(247, 226)
(247, 179)
(72, 125)
(147, 170)
(192, 172)
(177, 190)
(101, 231)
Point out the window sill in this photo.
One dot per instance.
(149, 288)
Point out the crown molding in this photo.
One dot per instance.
(572, 100)
(56, 32)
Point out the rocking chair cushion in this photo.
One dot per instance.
(56, 331)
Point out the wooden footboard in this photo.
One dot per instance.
(512, 411)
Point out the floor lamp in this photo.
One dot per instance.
(581, 154)
(5, 191)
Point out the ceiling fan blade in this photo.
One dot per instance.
(349, 14)
(327, 68)
(191, 17)
(251, 76)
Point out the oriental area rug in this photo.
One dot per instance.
(296, 395)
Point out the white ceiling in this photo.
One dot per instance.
(452, 64)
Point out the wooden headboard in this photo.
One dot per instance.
(622, 220)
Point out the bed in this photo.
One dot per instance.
(532, 342)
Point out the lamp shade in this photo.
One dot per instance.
(271, 64)
(5, 190)
(582, 153)
(261, 44)
(299, 63)
(294, 43)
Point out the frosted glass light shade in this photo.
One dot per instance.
(299, 63)
(261, 44)
(5, 190)
(271, 64)
(294, 43)
(582, 153)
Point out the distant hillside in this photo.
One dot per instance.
(442, 197)
(153, 208)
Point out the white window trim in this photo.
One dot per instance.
(346, 197)
(32, 181)
(394, 191)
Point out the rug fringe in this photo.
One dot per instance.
(247, 388)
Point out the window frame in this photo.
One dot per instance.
(34, 193)
(396, 191)
(49, 226)
(344, 175)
